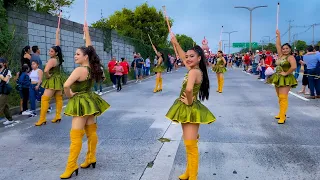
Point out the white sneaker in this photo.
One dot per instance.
(26, 113)
(29, 111)
(97, 92)
(100, 93)
(8, 122)
(49, 110)
(114, 86)
(137, 81)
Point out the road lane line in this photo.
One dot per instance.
(298, 96)
(164, 161)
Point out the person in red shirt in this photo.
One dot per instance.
(111, 65)
(126, 67)
(269, 60)
(246, 61)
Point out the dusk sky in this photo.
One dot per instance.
(198, 18)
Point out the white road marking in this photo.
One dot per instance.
(298, 96)
(164, 161)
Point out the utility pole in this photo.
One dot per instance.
(250, 9)
(313, 34)
(290, 30)
(229, 38)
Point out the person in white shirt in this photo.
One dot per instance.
(5, 75)
(148, 64)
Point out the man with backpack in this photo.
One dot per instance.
(5, 89)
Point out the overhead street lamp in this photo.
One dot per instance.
(229, 38)
(250, 9)
(222, 47)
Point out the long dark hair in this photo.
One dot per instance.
(287, 44)
(94, 61)
(205, 85)
(57, 49)
(23, 52)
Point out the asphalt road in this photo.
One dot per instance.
(245, 142)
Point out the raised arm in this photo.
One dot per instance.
(180, 51)
(87, 35)
(278, 43)
(58, 37)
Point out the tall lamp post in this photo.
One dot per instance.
(229, 38)
(250, 9)
(222, 47)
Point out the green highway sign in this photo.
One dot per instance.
(245, 45)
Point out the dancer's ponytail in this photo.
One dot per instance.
(95, 63)
(205, 85)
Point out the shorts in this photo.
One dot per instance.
(139, 72)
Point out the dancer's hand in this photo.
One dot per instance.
(85, 27)
(283, 73)
(173, 38)
(278, 33)
(71, 94)
(184, 99)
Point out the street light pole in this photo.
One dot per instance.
(229, 38)
(222, 47)
(250, 9)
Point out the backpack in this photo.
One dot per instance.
(5, 88)
(132, 64)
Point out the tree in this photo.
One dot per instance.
(318, 43)
(45, 6)
(185, 41)
(138, 24)
(300, 45)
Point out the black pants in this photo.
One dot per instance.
(25, 94)
(305, 81)
(118, 77)
(124, 79)
(113, 78)
(169, 68)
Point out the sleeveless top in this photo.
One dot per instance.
(196, 87)
(83, 86)
(220, 62)
(284, 65)
(34, 75)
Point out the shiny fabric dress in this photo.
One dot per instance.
(194, 113)
(85, 102)
(56, 81)
(219, 67)
(159, 68)
(281, 81)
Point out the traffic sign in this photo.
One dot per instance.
(245, 45)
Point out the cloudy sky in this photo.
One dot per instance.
(199, 18)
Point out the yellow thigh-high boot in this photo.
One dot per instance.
(91, 132)
(218, 79)
(278, 116)
(221, 84)
(192, 159)
(157, 84)
(59, 104)
(160, 84)
(75, 148)
(43, 110)
(186, 174)
(283, 108)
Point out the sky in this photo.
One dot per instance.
(199, 18)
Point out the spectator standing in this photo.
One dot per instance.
(26, 56)
(138, 63)
(125, 66)
(311, 59)
(147, 65)
(118, 73)
(5, 75)
(298, 58)
(96, 84)
(256, 62)
(36, 56)
(36, 80)
(111, 65)
(24, 84)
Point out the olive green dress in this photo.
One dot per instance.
(55, 82)
(159, 68)
(194, 113)
(219, 67)
(85, 102)
(281, 81)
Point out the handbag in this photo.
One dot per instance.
(5, 88)
(269, 71)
